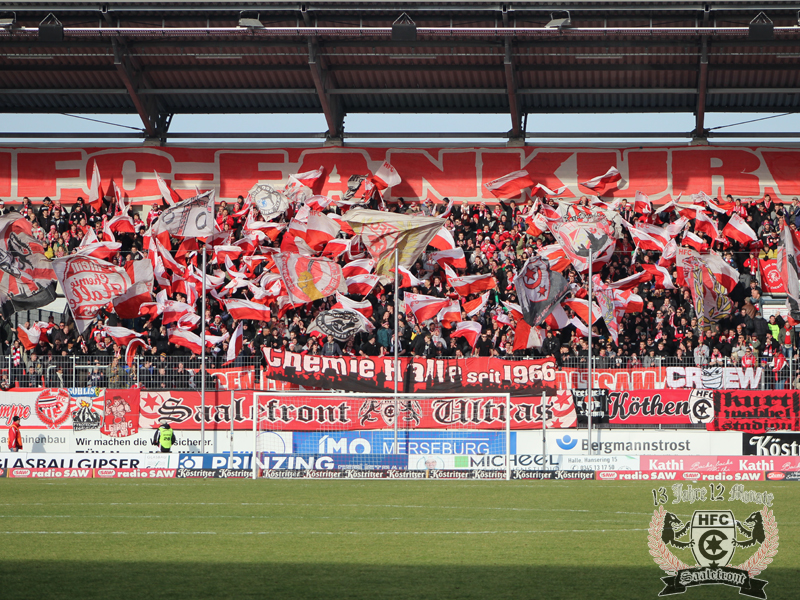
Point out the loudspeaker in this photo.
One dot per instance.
(51, 33)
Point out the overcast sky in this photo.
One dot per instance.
(315, 123)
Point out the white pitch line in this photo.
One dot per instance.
(533, 531)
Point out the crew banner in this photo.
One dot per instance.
(457, 173)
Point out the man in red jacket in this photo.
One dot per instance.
(14, 436)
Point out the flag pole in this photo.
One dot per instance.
(396, 342)
(589, 402)
(203, 361)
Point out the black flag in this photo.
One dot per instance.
(539, 290)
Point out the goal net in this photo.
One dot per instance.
(331, 434)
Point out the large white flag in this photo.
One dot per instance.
(193, 217)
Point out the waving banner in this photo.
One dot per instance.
(89, 285)
(26, 275)
(191, 218)
(308, 278)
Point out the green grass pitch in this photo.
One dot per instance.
(86, 539)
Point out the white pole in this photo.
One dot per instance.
(396, 343)
(203, 362)
(508, 437)
(230, 416)
(255, 436)
(544, 429)
(589, 363)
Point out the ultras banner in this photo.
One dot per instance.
(458, 173)
(183, 411)
(416, 375)
(756, 411)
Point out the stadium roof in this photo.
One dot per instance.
(159, 59)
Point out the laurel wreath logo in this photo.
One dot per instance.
(671, 564)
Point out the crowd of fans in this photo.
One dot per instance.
(495, 239)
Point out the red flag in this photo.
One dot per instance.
(174, 310)
(407, 279)
(335, 248)
(557, 319)
(514, 310)
(738, 229)
(602, 183)
(308, 279)
(385, 177)
(130, 351)
(101, 250)
(469, 330)
(690, 239)
(631, 281)
(509, 186)
(581, 308)
(555, 256)
(663, 279)
(244, 309)
(121, 335)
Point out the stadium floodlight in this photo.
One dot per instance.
(559, 22)
(404, 29)
(761, 28)
(7, 20)
(51, 29)
(249, 21)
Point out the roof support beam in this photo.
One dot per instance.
(516, 135)
(331, 105)
(700, 134)
(156, 121)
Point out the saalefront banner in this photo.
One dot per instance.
(458, 173)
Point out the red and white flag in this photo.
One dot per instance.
(361, 284)
(663, 280)
(704, 224)
(581, 308)
(167, 193)
(186, 339)
(738, 229)
(235, 344)
(385, 177)
(95, 191)
(320, 230)
(515, 310)
(674, 228)
(308, 278)
(364, 307)
(581, 328)
(101, 250)
(29, 338)
(469, 330)
(690, 239)
(668, 255)
(301, 187)
(555, 256)
(537, 224)
(526, 336)
(407, 279)
(630, 282)
(541, 190)
(455, 258)
(362, 266)
(642, 239)
(603, 183)
(642, 204)
(424, 307)
(509, 186)
(244, 309)
(121, 335)
(629, 302)
(443, 240)
(557, 319)
(450, 314)
(477, 306)
(470, 284)
(127, 305)
(335, 248)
